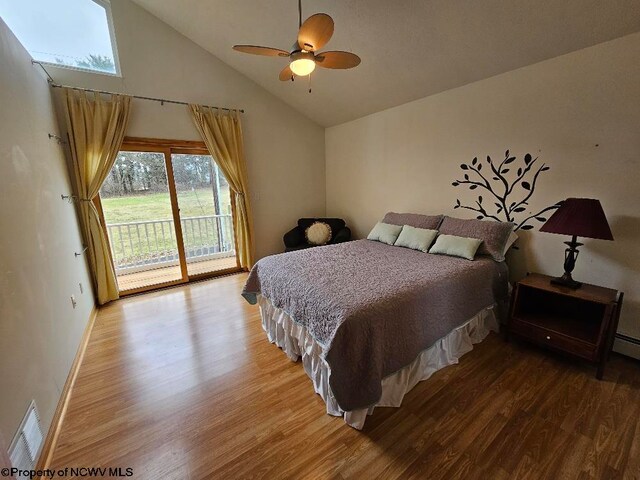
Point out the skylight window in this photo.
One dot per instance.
(68, 33)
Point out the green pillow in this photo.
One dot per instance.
(416, 238)
(385, 233)
(456, 246)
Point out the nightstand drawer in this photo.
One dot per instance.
(555, 340)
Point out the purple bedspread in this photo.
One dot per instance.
(374, 307)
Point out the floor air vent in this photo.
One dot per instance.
(25, 447)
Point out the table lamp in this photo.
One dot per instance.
(578, 217)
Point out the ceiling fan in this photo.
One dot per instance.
(313, 34)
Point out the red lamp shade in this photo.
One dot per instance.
(582, 217)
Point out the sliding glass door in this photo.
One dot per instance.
(205, 213)
(167, 213)
(136, 205)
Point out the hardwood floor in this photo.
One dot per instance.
(182, 383)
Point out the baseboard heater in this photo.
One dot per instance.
(626, 345)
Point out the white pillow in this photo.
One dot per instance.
(318, 233)
(385, 233)
(416, 238)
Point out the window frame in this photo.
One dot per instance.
(167, 147)
(106, 4)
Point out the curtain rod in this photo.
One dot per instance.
(153, 99)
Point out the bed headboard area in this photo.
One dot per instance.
(417, 220)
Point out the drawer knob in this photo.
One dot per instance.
(548, 337)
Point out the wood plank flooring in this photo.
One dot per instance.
(182, 384)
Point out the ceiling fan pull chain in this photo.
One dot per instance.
(299, 14)
(309, 83)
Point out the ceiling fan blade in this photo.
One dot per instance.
(337, 59)
(286, 74)
(256, 50)
(315, 32)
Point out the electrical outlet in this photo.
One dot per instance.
(81, 289)
(73, 301)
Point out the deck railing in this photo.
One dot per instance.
(138, 246)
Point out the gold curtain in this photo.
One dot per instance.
(222, 134)
(96, 129)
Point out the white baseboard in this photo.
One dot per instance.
(628, 346)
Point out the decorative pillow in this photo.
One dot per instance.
(429, 222)
(494, 235)
(385, 233)
(456, 246)
(416, 238)
(336, 224)
(318, 233)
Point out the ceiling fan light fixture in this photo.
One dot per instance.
(302, 67)
(305, 54)
(302, 63)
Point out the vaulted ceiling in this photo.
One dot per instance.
(409, 48)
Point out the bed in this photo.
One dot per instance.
(370, 320)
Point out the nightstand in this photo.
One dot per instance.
(581, 322)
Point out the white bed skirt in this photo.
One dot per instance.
(296, 342)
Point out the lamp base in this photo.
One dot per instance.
(566, 281)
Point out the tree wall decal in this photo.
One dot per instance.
(504, 192)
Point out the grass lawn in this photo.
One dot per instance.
(139, 242)
(157, 206)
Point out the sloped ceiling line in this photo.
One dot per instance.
(410, 49)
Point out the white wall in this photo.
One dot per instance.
(39, 329)
(284, 150)
(579, 113)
